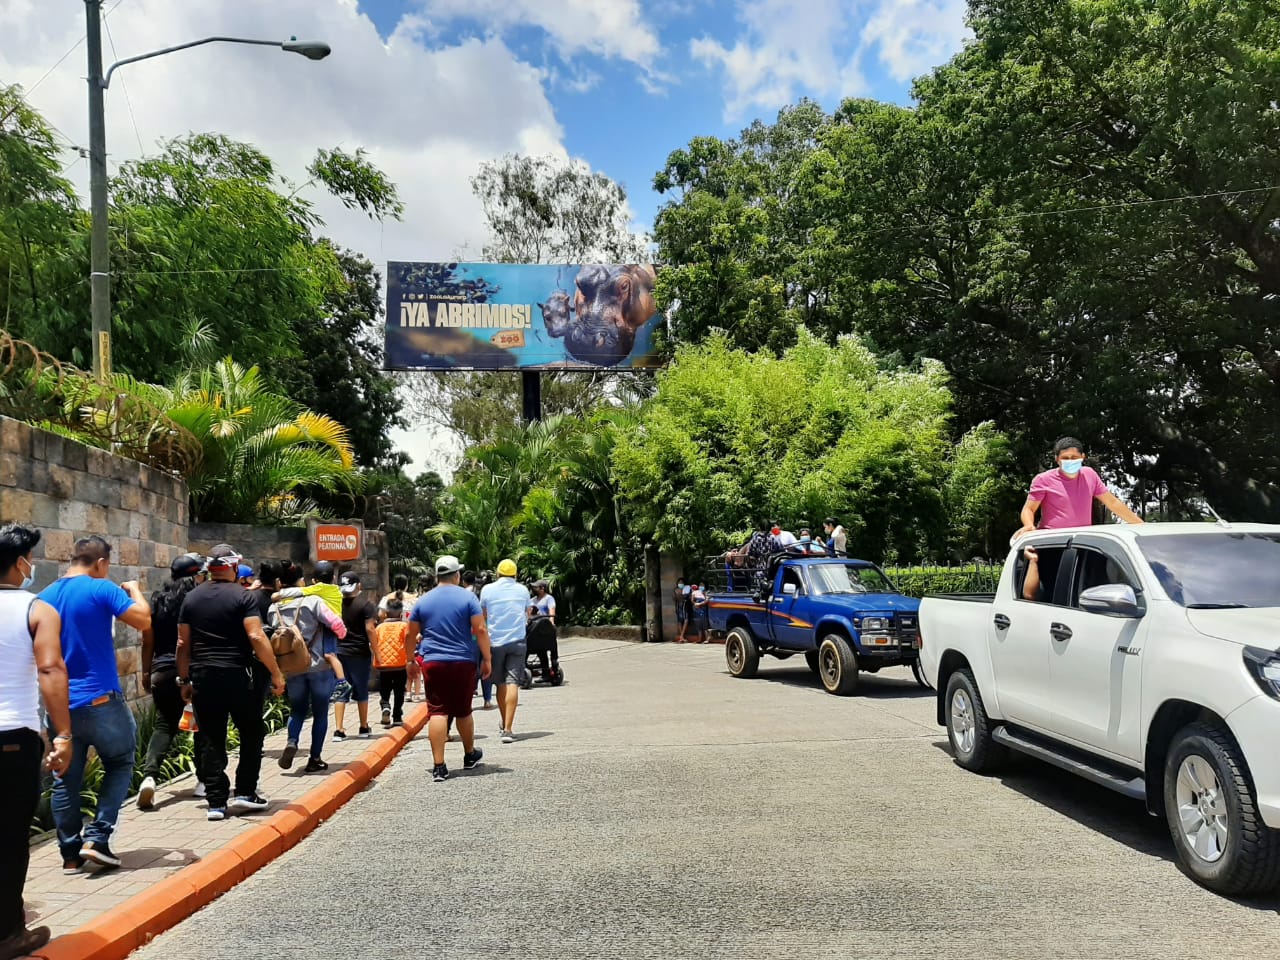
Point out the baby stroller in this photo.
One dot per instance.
(543, 656)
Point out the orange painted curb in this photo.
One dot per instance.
(144, 916)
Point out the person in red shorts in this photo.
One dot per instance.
(448, 632)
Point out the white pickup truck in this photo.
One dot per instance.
(1145, 660)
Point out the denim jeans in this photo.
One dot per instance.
(110, 729)
(312, 689)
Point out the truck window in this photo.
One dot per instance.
(1050, 562)
(792, 575)
(1095, 569)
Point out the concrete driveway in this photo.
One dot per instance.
(659, 808)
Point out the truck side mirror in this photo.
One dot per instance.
(1112, 599)
(789, 589)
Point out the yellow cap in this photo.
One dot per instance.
(507, 568)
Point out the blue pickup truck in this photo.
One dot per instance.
(845, 616)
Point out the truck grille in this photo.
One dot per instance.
(906, 627)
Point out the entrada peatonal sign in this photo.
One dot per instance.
(336, 541)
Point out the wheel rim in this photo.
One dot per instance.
(1202, 809)
(735, 654)
(962, 725)
(829, 664)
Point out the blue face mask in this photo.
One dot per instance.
(1071, 467)
(30, 578)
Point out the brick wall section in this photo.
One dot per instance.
(290, 543)
(69, 490)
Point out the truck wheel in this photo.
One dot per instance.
(741, 653)
(1209, 803)
(837, 665)
(969, 727)
(811, 658)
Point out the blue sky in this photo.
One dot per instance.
(624, 109)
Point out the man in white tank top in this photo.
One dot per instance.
(30, 665)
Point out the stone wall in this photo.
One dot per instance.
(69, 490)
(290, 543)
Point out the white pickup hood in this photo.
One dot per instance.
(1254, 627)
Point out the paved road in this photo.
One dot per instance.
(660, 808)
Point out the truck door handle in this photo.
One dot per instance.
(1059, 631)
(1002, 622)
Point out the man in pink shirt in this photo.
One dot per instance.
(1064, 496)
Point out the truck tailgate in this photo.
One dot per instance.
(959, 622)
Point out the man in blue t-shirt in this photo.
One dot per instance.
(88, 603)
(506, 611)
(441, 628)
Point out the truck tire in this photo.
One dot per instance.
(837, 665)
(1213, 817)
(969, 727)
(741, 653)
(811, 658)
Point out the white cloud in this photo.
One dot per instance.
(428, 114)
(793, 48)
(610, 28)
(915, 35)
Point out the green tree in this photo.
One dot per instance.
(734, 437)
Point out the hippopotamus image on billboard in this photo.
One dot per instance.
(500, 316)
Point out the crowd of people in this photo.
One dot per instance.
(216, 639)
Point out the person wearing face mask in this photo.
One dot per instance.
(1064, 496)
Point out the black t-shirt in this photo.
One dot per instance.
(262, 597)
(216, 612)
(355, 614)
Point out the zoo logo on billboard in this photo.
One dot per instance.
(334, 541)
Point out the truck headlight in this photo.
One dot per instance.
(1264, 665)
(875, 623)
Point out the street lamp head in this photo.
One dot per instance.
(311, 49)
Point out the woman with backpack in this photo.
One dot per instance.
(160, 673)
(321, 630)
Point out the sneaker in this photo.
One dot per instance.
(217, 813)
(472, 760)
(339, 736)
(315, 764)
(250, 804)
(99, 853)
(286, 756)
(365, 733)
(72, 865)
(508, 736)
(147, 793)
(341, 691)
(386, 716)
(199, 791)
(439, 773)
(24, 942)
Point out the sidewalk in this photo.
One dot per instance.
(157, 844)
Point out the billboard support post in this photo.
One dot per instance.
(531, 383)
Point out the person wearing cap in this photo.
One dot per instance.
(88, 604)
(160, 674)
(219, 635)
(355, 653)
(245, 575)
(543, 604)
(505, 603)
(448, 630)
(321, 586)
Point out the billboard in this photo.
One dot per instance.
(516, 316)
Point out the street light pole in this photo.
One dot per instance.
(99, 264)
(99, 256)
